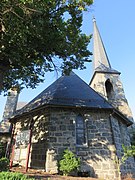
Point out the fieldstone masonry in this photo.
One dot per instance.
(11, 104)
(121, 136)
(10, 108)
(51, 161)
(57, 133)
(118, 99)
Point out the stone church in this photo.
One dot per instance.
(90, 120)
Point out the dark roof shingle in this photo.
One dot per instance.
(67, 91)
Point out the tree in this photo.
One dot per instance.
(36, 36)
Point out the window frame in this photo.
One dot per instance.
(84, 131)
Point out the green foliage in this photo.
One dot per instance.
(133, 137)
(2, 149)
(13, 176)
(4, 164)
(129, 151)
(40, 36)
(69, 162)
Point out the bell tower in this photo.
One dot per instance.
(106, 81)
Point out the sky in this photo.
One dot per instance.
(116, 23)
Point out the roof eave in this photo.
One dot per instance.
(14, 118)
(126, 120)
(113, 110)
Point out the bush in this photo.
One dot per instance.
(13, 176)
(4, 164)
(69, 162)
(2, 149)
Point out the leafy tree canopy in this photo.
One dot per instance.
(36, 35)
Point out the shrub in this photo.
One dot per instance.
(128, 151)
(13, 176)
(69, 162)
(2, 149)
(4, 164)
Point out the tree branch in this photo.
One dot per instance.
(7, 10)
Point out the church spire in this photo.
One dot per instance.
(99, 52)
(105, 80)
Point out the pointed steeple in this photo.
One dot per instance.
(100, 56)
(105, 80)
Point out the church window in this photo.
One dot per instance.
(109, 89)
(80, 131)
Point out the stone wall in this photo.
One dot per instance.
(11, 104)
(9, 109)
(122, 137)
(96, 156)
(54, 131)
(99, 153)
(38, 142)
(118, 100)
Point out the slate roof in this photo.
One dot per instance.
(101, 61)
(103, 68)
(99, 52)
(69, 91)
(20, 105)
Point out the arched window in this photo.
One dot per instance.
(109, 89)
(80, 131)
